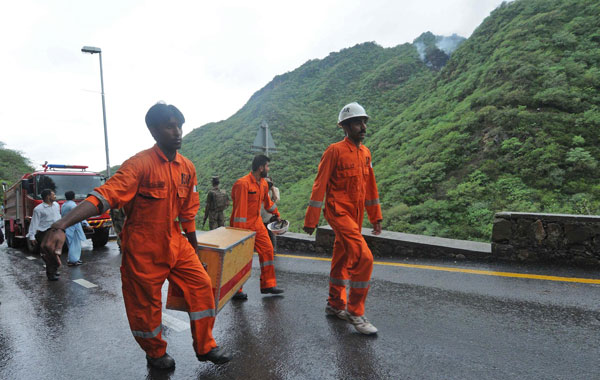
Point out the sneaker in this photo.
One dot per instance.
(341, 314)
(362, 324)
(217, 355)
(164, 362)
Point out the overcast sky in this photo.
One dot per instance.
(207, 58)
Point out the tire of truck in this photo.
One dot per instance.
(100, 237)
(18, 242)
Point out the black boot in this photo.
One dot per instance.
(217, 355)
(164, 362)
(240, 296)
(273, 290)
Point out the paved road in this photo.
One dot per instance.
(437, 320)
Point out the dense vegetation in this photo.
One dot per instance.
(510, 122)
(12, 166)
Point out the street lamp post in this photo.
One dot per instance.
(94, 50)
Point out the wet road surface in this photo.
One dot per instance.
(433, 324)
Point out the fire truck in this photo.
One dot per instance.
(21, 198)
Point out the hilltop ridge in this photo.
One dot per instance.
(506, 121)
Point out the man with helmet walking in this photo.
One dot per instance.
(345, 178)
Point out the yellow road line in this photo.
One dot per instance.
(470, 271)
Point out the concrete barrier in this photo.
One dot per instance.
(389, 244)
(516, 236)
(552, 238)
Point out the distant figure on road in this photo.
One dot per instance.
(346, 175)
(43, 216)
(217, 201)
(157, 189)
(248, 193)
(74, 233)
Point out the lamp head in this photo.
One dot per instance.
(91, 49)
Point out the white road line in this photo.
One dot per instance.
(173, 323)
(85, 283)
(30, 258)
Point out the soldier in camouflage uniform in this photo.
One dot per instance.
(217, 201)
(118, 219)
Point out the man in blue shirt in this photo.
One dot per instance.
(74, 233)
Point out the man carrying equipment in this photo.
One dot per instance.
(346, 176)
(157, 190)
(248, 193)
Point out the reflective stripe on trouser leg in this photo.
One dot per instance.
(360, 276)
(143, 307)
(338, 277)
(264, 248)
(189, 275)
(359, 264)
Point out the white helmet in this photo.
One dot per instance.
(352, 110)
(278, 227)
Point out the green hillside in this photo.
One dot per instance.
(509, 122)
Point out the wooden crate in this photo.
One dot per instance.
(227, 252)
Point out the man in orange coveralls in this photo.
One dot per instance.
(346, 175)
(247, 194)
(157, 189)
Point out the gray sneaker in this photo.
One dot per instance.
(341, 314)
(362, 324)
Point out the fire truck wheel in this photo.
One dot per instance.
(100, 237)
(10, 239)
(17, 242)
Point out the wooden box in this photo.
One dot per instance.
(227, 253)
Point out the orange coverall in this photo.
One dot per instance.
(346, 175)
(247, 196)
(158, 196)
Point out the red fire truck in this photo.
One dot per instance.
(21, 198)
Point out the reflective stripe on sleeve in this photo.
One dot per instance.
(272, 208)
(103, 201)
(338, 281)
(239, 220)
(147, 335)
(359, 284)
(195, 315)
(317, 204)
(266, 264)
(372, 202)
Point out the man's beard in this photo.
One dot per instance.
(264, 174)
